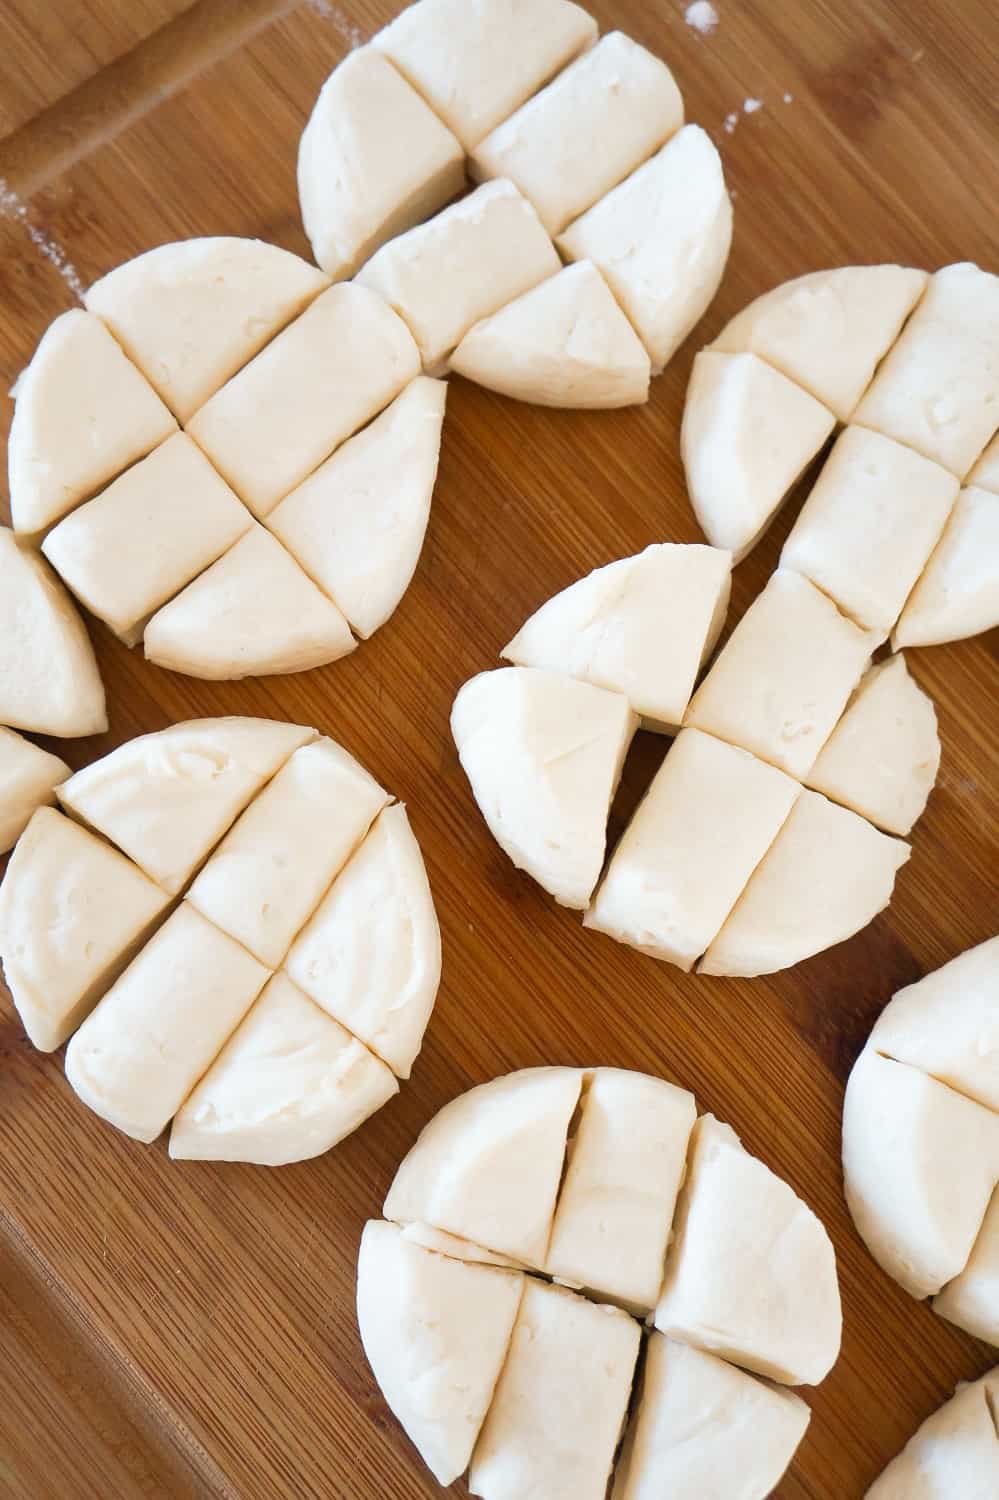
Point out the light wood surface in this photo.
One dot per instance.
(188, 1329)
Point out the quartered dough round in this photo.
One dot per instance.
(231, 922)
(544, 1185)
(954, 1455)
(286, 513)
(577, 142)
(921, 1140)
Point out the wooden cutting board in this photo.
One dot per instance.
(188, 1329)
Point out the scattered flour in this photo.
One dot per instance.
(11, 207)
(750, 106)
(731, 121)
(702, 16)
(788, 98)
(329, 12)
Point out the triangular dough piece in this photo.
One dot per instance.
(828, 331)
(882, 758)
(751, 1274)
(614, 1213)
(436, 1332)
(487, 1167)
(954, 1455)
(49, 680)
(827, 874)
(920, 1163)
(28, 778)
(703, 1428)
(564, 343)
(357, 524)
(947, 1024)
(642, 626)
(252, 613)
(167, 798)
(958, 592)
(543, 754)
(748, 434)
(288, 1084)
(190, 314)
(560, 1401)
(82, 413)
(971, 1300)
(371, 954)
(72, 912)
(662, 240)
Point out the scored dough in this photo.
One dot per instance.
(958, 593)
(971, 1300)
(985, 474)
(28, 779)
(954, 1455)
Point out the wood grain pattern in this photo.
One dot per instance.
(175, 1329)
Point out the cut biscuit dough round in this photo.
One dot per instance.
(954, 1455)
(183, 990)
(492, 1362)
(28, 780)
(921, 1140)
(49, 682)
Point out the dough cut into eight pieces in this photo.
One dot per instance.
(771, 830)
(545, 1184)
(231, 922)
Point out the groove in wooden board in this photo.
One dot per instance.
(230, 1290)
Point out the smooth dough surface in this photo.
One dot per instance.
(954, 1455)
(958, 592)
(29, 776)
(971, 1300)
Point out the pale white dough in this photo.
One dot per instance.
(642, 626)
(784, 676)
(457, 1248)
(578, 138)
(560, 1401)
(436, 1333)
(543, 754)
(827, 874)
(487, 1167)
(288, 1084)
(704, 1430)
(28, 779)
(142, 1049)
(82, 413)
(626, 1163)
(154, 529)
(330, 371)
(882, 758)
(165, 799)
(370, 955)
(985, 474)
(661, 238)
(829, 330)
(751, 1273)
(938, 388)
(971, 1300)
(705, 823)
(748, 434)
(357, 524)
(867, 529)
(920, 1163)
(564, 343)
(476, 61)
(72, 912)
(373, 160)
(954, 1455)
(252, 613)
(463, 265)
(273, 867)
(958, 592)
(190, 314)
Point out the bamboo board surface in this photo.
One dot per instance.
(188, 1329)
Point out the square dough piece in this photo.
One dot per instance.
(141, 541)
(476, 61)
(560, 1401)
(373, 160)
(28, 778)
(273, 867)
(785, 675)
(583, 134)
(869, 525)
(322, 378)
(938, 389)
(703, 826)
(465, 264)
(141, 1051)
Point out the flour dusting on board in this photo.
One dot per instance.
(702, 16)
(341, 23)
(11, 207)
